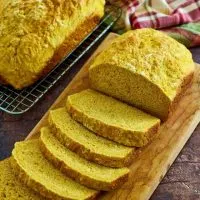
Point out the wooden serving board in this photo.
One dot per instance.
(155, 159)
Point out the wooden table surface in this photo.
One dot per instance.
(182, 181)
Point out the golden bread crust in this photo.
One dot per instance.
(70, 43)
(180, 93)
(39, 34)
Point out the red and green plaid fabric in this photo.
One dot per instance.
(179, 18)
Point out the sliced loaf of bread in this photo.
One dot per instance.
(112, 119)
(81, 170)
(79, 139)
(145, 68)
(35, 171)
(11, 188)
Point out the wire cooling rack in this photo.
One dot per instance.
(19, 101)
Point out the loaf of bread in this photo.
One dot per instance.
(85, 143)
(145, 68)
(35, 35)
(30, 166)
(112, 119)
(81, 170)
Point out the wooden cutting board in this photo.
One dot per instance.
(155, 159)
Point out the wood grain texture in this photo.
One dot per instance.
(155, 159)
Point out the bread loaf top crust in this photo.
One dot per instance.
(32, 31)
(152, 54)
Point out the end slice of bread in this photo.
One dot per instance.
(112, 119)
(36, 172)
(81, 170)
(92, 147)
(11, 188)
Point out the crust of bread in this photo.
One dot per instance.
(117, 134)
(187, 81)
(71, 43)
(80, 178)
(68, 45)
(92, 156)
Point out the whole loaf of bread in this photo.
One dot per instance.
(35, 35)
(145, 68)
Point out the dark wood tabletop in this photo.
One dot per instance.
(182, 181)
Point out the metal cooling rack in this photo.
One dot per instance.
(19, 101)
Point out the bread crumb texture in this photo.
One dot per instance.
(11, 188)
(112, 119)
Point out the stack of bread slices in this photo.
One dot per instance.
(88, 145)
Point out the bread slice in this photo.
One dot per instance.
(36, 172)
(145, 68)
(11, 188)
(112, 119)
(85, 143)
(81, 170)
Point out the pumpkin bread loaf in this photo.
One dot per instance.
(81, 170)
(85, 143)
(36, 35)
(36, 172)
(13, 189)
(145, 68)
(112, 119)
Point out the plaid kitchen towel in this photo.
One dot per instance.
(179, 18)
